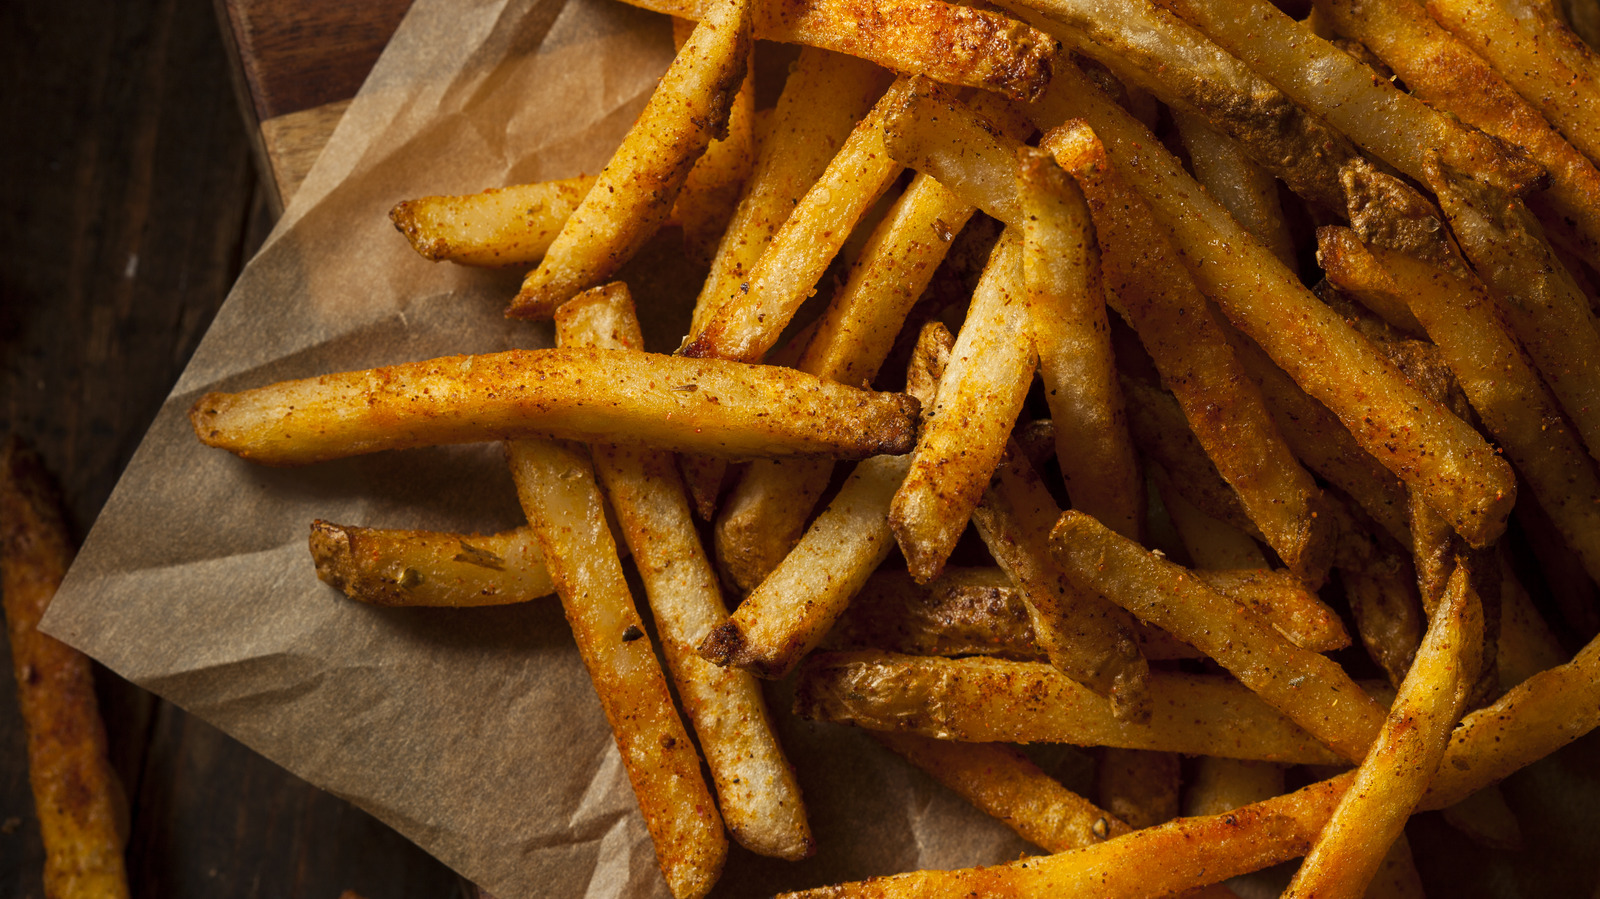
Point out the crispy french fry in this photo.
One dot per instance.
(1138, 786)
(756, 789)
(1002, 781)
(1175, 458)
(712, 189)
(635, 192)
(988, 700)
(1223, 406)
(1395, 774)
(556, 485)
(1410, 434)
(768, 508)
(965, 434)
(1394, 126)
(929, 130)
(1245, 189)
(946, 42)
(389, 567)
(1543, 60)
(76, 797)
(605, 396)
(1067, 315)
(1312, 690)
(748, 324)
(498, 227)
(1441, 69)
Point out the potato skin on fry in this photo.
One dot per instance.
(387, 567)
(75, 793)
(606, 396)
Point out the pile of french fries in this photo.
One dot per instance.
(1257, 449)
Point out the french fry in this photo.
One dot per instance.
(1527, 645)
(1410, 434)
(1440, 68)
(747, 325)
(792, 610)
(76, 796)
(1222, 785)
(1392, 125)
(1395, 774)
(756, 788)
(1548, 711)
(1538, 55)
(603, 396)
(1312, 690)
(1546, 308)
(992, 700)
(711, 192)
(1067, 315)
(945, 42)
(1210, 542)
(965, 434)
(388, 567)
(556, 485)
(498, 227)
(1245, 189)
(1002, 782)
(636, 190)
(768, 508)
(1224, 408)
(972, 154)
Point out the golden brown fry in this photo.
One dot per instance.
(945, 42)
(749, 323)
(636, 190)
(498, 227)
(966, 430)
(75, 793)
(389, 567)
(556, 485)
(1002, 782)
(992, 700)
(1395, 774)
(756, 788)
(928, 129)
(1543, 60)
(1244, 188)
(1138, 786)
(1210, 542)
(1067, 315)
(1312, 690)
(1441, 69)
(1223, 406)
(768, 508)
(1394, 126)
(604, 396)
(1175, 458)
(1410, 434)
(711, 192)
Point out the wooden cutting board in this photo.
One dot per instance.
(297, 65)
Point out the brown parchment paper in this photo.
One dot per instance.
(473, 732)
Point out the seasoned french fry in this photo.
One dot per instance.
(556, 485)
(76, 797)
(1223, 406)
(1004, 783)
(1312, 690)
(929, 130)
(712, 189)
(768, 508)
(756, 788)
(633, 194)
(965, 434)
(1067, 315)
(1394, 126)
(1177, 461)
(1138, 786)
(747, 325)
(498, 227)
(1441, 69)
(1245, 189)
(1210, 542)
(604, 396)
(991, 700)
(388, 567)
(1395, 774)
(1527, 645)
(945, 42)
(1410, 434)
(1543, 60)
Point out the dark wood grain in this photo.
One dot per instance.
(127, 206)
